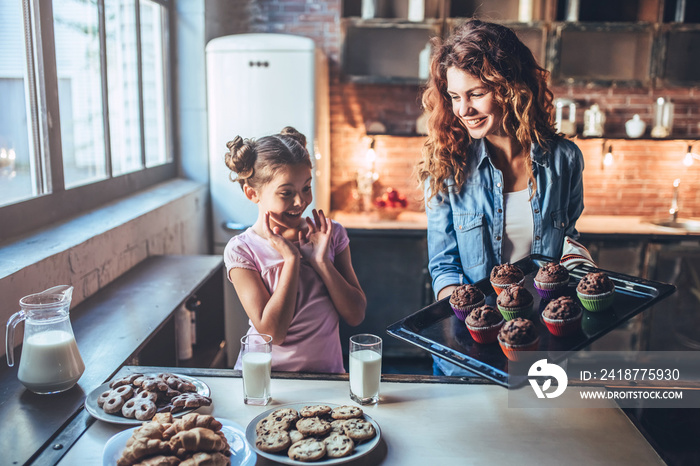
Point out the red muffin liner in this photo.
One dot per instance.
(563, 327)
(551, 290)
(499, 287)
(515, 352)
(485, 335)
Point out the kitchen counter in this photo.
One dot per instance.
(425, 421)
(586, 225)
(129, 319)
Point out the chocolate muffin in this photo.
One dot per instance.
(595, 283)
(552, 272)
(561, 308)
(505, 275)
(552, 280)
(518, 336)
(596, 291)
(483, 316)
(562, 316)
(514, 301)
(518, 332)
(514, 296)
(464, 298)
(484, 323)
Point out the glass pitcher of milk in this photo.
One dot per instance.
(50, 361)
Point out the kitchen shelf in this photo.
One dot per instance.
(602, 53)
(385, 51)
(678, 42)
(625, 43)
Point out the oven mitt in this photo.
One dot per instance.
(575, 254)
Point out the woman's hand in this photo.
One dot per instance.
(281, 244)
(315, 243)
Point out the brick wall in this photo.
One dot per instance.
(639, 183)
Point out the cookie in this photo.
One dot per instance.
(177, 383)
(313, 426)
(308, 449)
(273, 441)
(151, 383)
(269, 423)
(146, 395)
(359, 429)
(126, 380)
(315, 411)
(140, 408)
(190, 400)
(103, 397)
(285, 414)
(346, 412)
(295, 435)
(338, 426)
(338, 445)
(116, 398)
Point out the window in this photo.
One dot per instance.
(85, 95)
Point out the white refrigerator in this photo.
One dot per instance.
(256, 85)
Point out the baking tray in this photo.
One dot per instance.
(436, 329)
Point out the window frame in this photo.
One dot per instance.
(55, 203)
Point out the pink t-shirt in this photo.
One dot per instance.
(313, 340)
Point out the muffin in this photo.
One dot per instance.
(596, 291)
(552, 280)
(562, 316)
(505, 275)
(518, 335)
(464, 298)
(514, 301)
(484, 323)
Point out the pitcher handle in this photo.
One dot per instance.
(16, 318)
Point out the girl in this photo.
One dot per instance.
(500, 183)
(293, 277)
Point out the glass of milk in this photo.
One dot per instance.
(365, 368)
(256, 349)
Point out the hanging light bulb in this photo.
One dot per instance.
(688, 159)
(608, 157)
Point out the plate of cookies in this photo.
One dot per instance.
(322, 433)
(136, 398)
(192, 439)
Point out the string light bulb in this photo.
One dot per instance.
(688, 159)
(608, 157)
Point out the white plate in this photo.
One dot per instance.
(98, 413)
(361, 449)
(241, 452)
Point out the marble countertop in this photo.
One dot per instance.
(587, 224)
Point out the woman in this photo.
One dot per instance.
(500, 184)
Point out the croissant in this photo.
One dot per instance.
(207, 459)
(190, 421)
(149, 430)
(198, 439)
(141, 448)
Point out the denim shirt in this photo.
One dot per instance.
(466, 228)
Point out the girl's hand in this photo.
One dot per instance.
(314, 245)
(281, 244)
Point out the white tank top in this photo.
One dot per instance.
(518, 226)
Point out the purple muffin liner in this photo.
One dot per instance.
(551, 290)
(462, 313)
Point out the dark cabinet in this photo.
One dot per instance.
(392, 269)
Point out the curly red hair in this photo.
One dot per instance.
(495, 55)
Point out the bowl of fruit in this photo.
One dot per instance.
(390, 204)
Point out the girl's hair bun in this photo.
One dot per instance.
(294, 134)
(240, 158)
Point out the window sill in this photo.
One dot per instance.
(93, 249)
